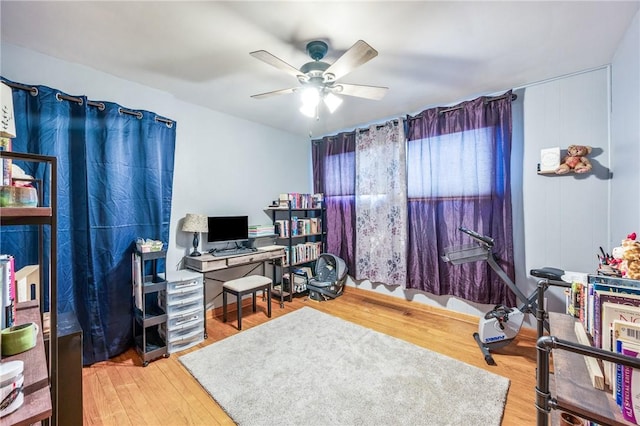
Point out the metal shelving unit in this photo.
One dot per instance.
(45, 215)
(148, 315)
(290, 241)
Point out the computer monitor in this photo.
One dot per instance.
(228, 228)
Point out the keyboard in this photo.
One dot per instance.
(232, 252)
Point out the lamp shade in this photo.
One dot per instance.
(7, 120)
(195, 223)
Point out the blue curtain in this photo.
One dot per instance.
(115, 178)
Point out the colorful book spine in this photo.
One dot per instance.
(631, 386)
(602, 295)
(610, 313)
(623, 331)
(7, 266)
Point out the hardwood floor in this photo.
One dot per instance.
(121, 392)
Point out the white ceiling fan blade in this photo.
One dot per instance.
(274, 93)
(267, 57)
(368, 92)
(357, 55)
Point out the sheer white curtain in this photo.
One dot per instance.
(381, 204)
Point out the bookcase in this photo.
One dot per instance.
(300, 225)
(41, 366)
(571, 386)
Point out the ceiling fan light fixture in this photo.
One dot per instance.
(310, 100)
(310, 96)
(332, 102)
(309, 110)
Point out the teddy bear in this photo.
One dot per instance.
(631, 256)
(575, 160)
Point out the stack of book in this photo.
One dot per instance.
(256, 231)
(609, 310)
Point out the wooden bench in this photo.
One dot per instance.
(246, 285)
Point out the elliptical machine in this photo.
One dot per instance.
(502, 324)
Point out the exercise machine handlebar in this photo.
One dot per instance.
(487, 241)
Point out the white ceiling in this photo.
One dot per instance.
(430, 52)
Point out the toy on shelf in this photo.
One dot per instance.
(624, 259)
(576, 160)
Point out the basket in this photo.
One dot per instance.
(149, 246)
(464, 254)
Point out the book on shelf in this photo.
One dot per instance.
(610, 313)
(602, 294)
(623, 332)
(8, 286)
(631, 385)
(300, 201)
(261, 230)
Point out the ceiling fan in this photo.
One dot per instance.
(319, 80)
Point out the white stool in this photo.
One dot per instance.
(245, 285)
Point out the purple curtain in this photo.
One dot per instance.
(334, 176)
(458, 174)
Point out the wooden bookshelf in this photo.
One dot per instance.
(573, 386)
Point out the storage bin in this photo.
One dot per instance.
(172, 336)
(185, 343)
(186, 318)
(176, 306)
(149, 246)
(184, 286)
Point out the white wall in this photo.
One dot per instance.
(223, 165)
(625, 136)
(566, 216)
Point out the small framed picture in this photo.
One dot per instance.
(549, 159)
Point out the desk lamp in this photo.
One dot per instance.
(195, 223)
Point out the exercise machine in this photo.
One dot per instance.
(502, 324)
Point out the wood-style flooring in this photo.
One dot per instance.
(122, 392)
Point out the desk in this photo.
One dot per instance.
(208, 264)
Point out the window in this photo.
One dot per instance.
(336, 168)
(452, 165)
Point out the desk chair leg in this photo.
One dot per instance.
(224, 306)
(239, 307)
(268, 301)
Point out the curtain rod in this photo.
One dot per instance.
(100, 105)
(486, 101)
(379, 126)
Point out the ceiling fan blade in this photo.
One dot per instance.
(357, 55)
(267, 57)
(274, 93)
(368, 92)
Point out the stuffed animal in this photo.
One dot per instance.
(631, 256)
(575, 160)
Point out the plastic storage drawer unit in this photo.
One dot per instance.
(183, 302)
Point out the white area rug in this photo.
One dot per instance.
(310, 368)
